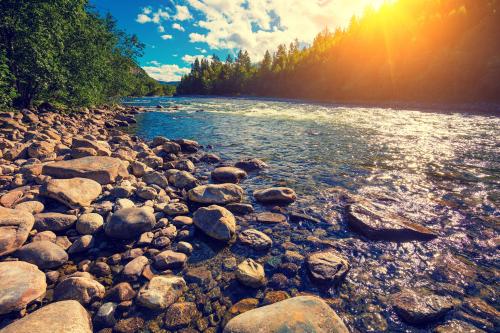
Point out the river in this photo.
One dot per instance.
(441, 170)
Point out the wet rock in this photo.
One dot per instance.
(44, 254)
(215, 221)
(219, 194)
(58, 317)
(199, 275)
(279, 195)
(373, 223)
(54, 221)
(251, 273)
(134, 268)
(171, 147)
(272, 297)
(251, 164)
(120, 292)
(169, 259)
(129, 325)
(417, 308)
(21, 283)
(80, 287)
(457, 326)
(228, 175)
(129, 223)
(81, 244)
(449, 268)
(180, 315)
(188, 146)
(270, 218)
(210, 158)
(161, 292)
(289, 315)
(32, 207)
(482, 309)
(102, 169)
(255, 239)
(89, 224)
(240, 208)
(74, 193)
(15, 226)
(106, 314)
(244, 305)
(327, 266)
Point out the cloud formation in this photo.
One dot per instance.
(165, 72)
(177, 26)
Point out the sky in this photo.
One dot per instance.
(175, 32)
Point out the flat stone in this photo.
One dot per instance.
(15, 226)
(298, 314)
(418, 308)
(129, 223)
(21, 284)
(215, 221)
(161, 292)
(255, 239)
(74, 192)
(327, 266)
(102, 169)
(270, 218)
(218, 194)
(44, 254)
(228, 175)
(251, 273)
(54, 221)
(180, 315)
(58, 317)
(79, 287)
(279, 195)
(375, 224)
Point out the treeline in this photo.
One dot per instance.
(63, 51)
(408, 50)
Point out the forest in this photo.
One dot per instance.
(64, 52)
(407, 50)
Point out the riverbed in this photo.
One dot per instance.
(440, 170)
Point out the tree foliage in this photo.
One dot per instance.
(63, 50)
(413, 50)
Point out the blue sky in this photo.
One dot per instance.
(175, 32)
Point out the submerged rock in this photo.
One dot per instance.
(21, 283)
(251, 273)
(129, 223)
(279, 195)
(327, 266)
(251, 164)
(102, 169)
(74, 192)
(215, 221)
(375, 224)
(15, 226)
(218, 194)
(58, 317)
(161, 292)
(417, 308)
(255, 239)
(297, 314)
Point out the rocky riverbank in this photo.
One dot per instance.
(101, 231)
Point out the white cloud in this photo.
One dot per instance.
(154, 63)
(143, 18)
(182, 13)
(201, 49)
(148, 15)
(166, 72)
(177, 26)
(165, 37)
(258, 25)
(191, 58)
(161, 28)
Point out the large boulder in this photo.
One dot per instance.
(161, 292)
(15, 226)
(102, 169)
(419, 307)
(58, 317)
(218, 194)
(228, 175)
(129, 223)
(21, 284)
(279, 195)
(44, 254)
(215, 221)
(74, 192)
(297, 314)
(327, 266)
(377, 224)
(80, 287)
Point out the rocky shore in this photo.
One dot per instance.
(101, 231)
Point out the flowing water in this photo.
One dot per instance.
(441, 170)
